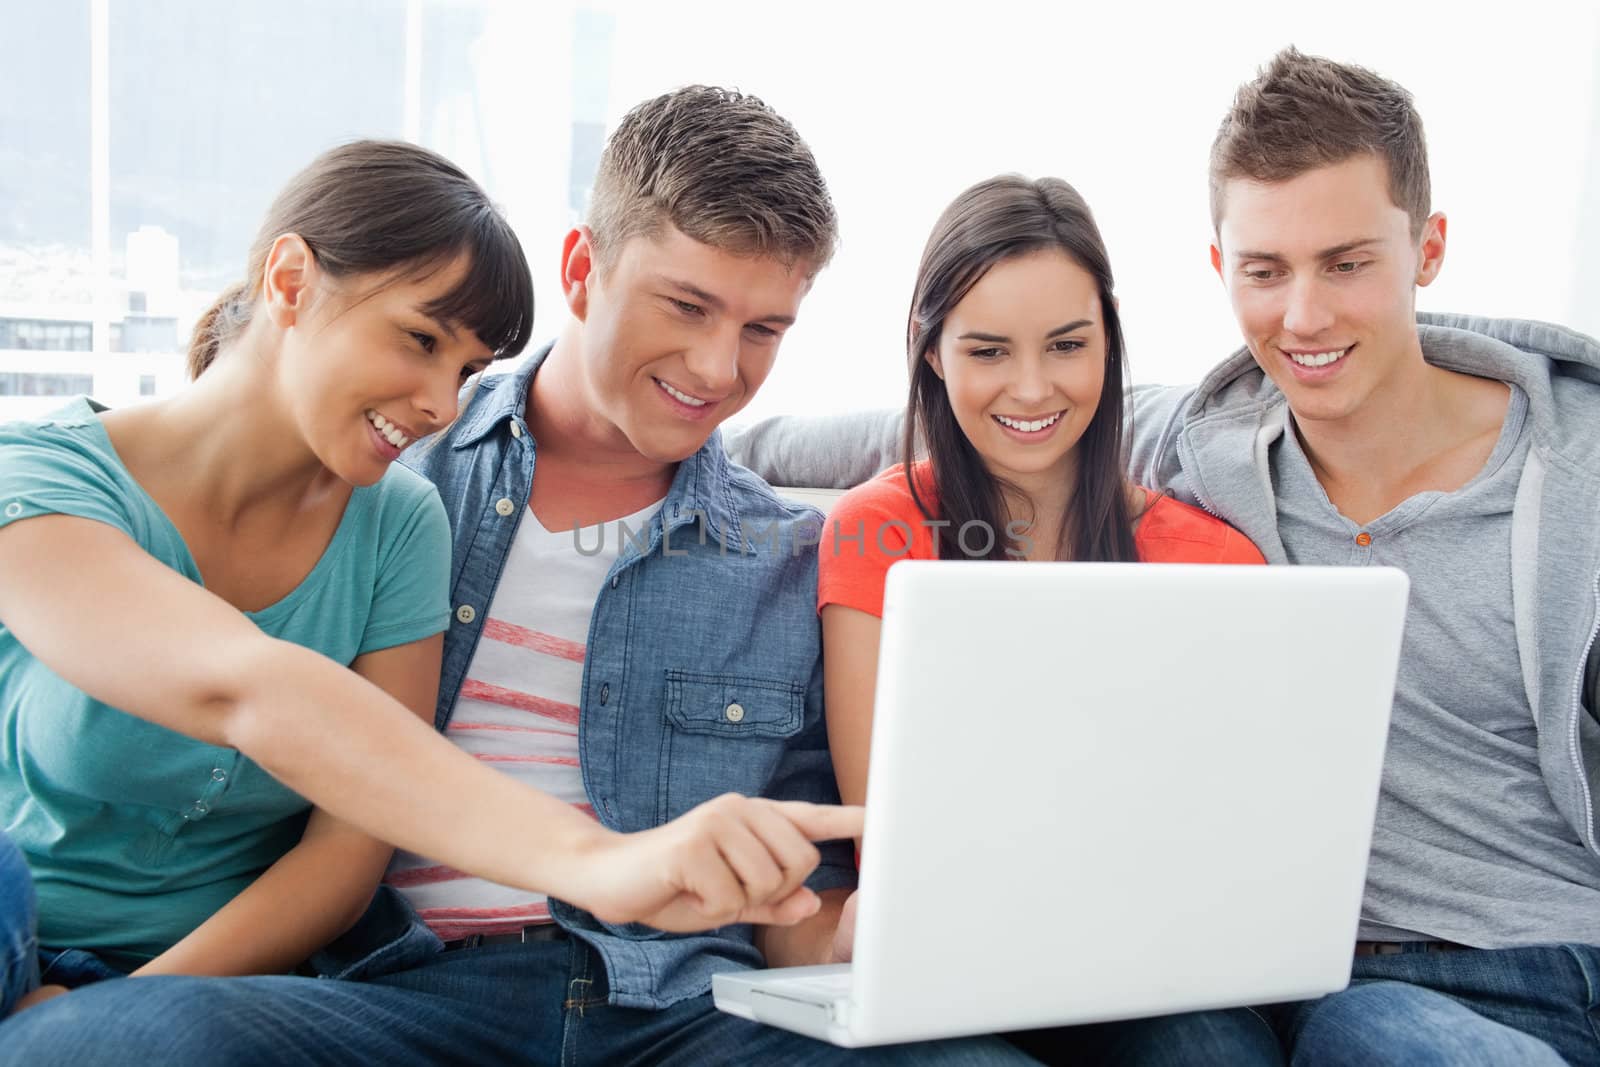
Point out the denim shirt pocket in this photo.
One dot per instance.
(724, 733)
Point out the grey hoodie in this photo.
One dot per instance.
(1208, 445)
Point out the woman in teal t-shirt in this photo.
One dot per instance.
(183, 584)
(381, 279)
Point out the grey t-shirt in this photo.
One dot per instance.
(1468, 846)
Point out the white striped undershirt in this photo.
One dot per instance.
(518, 709)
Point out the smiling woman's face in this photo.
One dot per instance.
(366, 371)
(1023, 360)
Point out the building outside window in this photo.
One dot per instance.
(142, 140)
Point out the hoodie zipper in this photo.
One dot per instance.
(1206, 505)
(1186, 463)
(1577, 710)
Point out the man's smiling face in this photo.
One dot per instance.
(678, 335)
(1322, 271)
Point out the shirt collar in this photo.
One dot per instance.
(701, 485)
(495, 400)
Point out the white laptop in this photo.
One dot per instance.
(1100, 791)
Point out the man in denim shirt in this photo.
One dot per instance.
(639, 673)
(700, 656)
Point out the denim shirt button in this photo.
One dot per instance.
(504, 507)
(605, 692)
(466, 613)
(734, 712)
(614, 580)
(516, 429)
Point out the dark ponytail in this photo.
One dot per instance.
(374, 207)
(222, 320)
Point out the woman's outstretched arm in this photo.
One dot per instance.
(105, 616)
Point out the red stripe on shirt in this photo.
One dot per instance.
(448, 924)
(509, 633)
(508, 729)
(510, 698)
(559, 761)
(422, 876)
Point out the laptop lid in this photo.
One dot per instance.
(1101, 790)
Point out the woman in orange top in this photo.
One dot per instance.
(1015, 352)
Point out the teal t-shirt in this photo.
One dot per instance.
(136, 834)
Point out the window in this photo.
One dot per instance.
(46, 335)
(145, 139)
(131, 186)
(23, 384)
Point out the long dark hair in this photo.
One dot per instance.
(378, 206)
(993, 221)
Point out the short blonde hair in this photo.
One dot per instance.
(720, 166)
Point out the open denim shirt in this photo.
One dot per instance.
(703, 674)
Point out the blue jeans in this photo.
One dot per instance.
(74, 967)
(19, 944)
(1239, 1037)
(536, 1003)
(1536, 1005)
(1495, 1008)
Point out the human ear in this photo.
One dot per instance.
(287, 279)
(577, 268)
(1430, 252)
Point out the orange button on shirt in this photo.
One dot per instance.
(877, 524)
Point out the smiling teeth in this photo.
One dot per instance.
(682, 398)
(388, 430)
(1317, 359)
(1028, 427)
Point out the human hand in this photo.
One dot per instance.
(733, 859)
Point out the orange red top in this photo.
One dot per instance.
(877, 524)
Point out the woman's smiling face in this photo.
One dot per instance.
(1023, 359)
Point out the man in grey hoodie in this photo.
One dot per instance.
(1352, 431)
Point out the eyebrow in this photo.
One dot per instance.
(716, 303)
(994, 338)
(1326, 253)
(434, 320)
